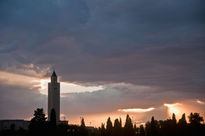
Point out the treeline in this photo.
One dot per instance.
(170, 127)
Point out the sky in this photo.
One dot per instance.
(139, 57)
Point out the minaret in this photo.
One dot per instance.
(54, 96)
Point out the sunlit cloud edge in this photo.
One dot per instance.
(136, 110)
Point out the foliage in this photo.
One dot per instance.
(83, 130)
(170, 127)
(128, 128)
(195, 119)
(109, 127)
(38, 123)
(117, 129)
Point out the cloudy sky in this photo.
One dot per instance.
(137, 57)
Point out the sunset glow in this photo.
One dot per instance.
(14, 79)
(200, 102)
(174, 108)
(69, 87)
(96, 59)
(42, 84)
(136, 110)
(102, 60)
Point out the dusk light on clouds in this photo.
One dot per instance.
(113, 57)
(136, 110)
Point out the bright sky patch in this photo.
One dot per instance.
(136, 110)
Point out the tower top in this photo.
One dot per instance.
(54, 74)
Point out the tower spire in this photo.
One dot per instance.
(54, 73)
(54, 77)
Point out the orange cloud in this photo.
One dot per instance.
(136, 110)
(200, 102)
(18, 80)
(174, 108)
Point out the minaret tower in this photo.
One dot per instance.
(54, 96)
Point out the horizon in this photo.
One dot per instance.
(113, 58)
(178, 108)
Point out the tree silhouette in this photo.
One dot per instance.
(152, 127)
(142, 131)
(102, 130)
(173, 125)
(195, 127)
(82, 122)
(83, 130)
(182, 121)
(170, 127)
(109, 127)
(128, 128)
(182, 126)
(117, 129)
(39, 115)
(195, 119)
(174, 121)
(135, 128)
(37, 125)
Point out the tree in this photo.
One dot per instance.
(195, 127)
(182, 126)
(82, 122)
(117, 129)
(102, 130)
(152, 127)
(195, 119)
(135, 128)
(182, 121)
(109, 127)
(173, 125)
(39, 115)
(174, 119)
(83, 130)
(128, 128)
(142, 131)
(37, 125)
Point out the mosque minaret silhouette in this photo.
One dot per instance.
(54, 96)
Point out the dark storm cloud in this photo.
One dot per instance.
(143, 42)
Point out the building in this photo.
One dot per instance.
(15, 124)
(54, 96)
(53, 103)
(20, 124)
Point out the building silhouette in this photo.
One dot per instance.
(53, 103)
(54, 96)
